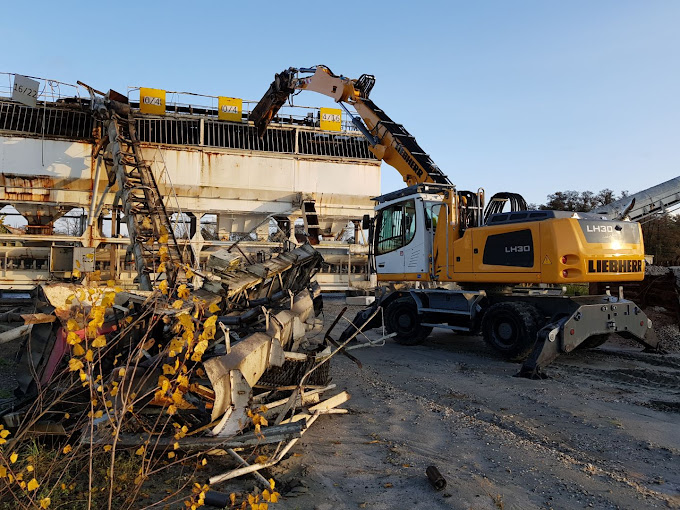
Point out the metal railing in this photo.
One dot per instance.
(189, 103)
(294, 130)
(47, 120)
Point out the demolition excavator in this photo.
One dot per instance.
(435, 235)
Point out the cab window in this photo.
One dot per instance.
(396, 227)
(432, 215)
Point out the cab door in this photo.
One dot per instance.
(395, 229)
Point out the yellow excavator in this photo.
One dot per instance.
(436, 235)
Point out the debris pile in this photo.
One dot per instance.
(235, 361)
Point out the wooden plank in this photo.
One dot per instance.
(332, 402)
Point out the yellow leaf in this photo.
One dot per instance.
(266, 495)
(146, 222)
(33, 485)
(72, 325)
(4, 433)
(140, 451)
(162, 267)
(121, 372)
(204, 462)
(78, 350)
(73, 338)
(163, 239)
(100, 341)
(109, 299)
(67, 416)
(275, 497)
(214, 308)
(163, 286)
(89, 355)
(182, 381)
(183, 292)
(232, 498)
(189, 272)
(111, 283)
(29, 468)
(108, 448)
(74, 365)
(3, 472)
(163, 253)
(175, 446)
(168, 369)
(99, 414)
(272, 483)
(83, 376)
(178, 304)
(76, 273)
(172, 409)
(171, 455)
(67, 449)
(45, 502)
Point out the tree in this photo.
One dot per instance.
(580, 201)
(662, 239)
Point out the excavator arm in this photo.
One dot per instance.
(388, 141)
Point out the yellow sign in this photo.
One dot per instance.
(229, 108)
(152, 101)
(331, 119)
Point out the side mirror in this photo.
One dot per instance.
(365, 222)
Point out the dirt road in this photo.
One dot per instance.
(603, 433)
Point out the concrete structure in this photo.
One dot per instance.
(203, 166)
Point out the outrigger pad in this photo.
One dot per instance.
(546, 349)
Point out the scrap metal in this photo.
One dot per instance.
(270, 332)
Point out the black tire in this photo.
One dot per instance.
(593, 341)
(511, 329)
(402, 318)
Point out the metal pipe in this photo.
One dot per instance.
(95, 185)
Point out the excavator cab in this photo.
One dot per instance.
(405, 226)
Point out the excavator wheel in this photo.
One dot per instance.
(402, 318)
(593, 341)
(511, 329)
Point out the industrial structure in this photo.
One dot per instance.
(220, 183)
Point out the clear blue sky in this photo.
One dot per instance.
(525, 96)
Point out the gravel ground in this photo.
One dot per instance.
(603, 432)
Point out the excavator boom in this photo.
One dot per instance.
(388, 140)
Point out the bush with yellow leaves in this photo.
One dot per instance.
(103, 394)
